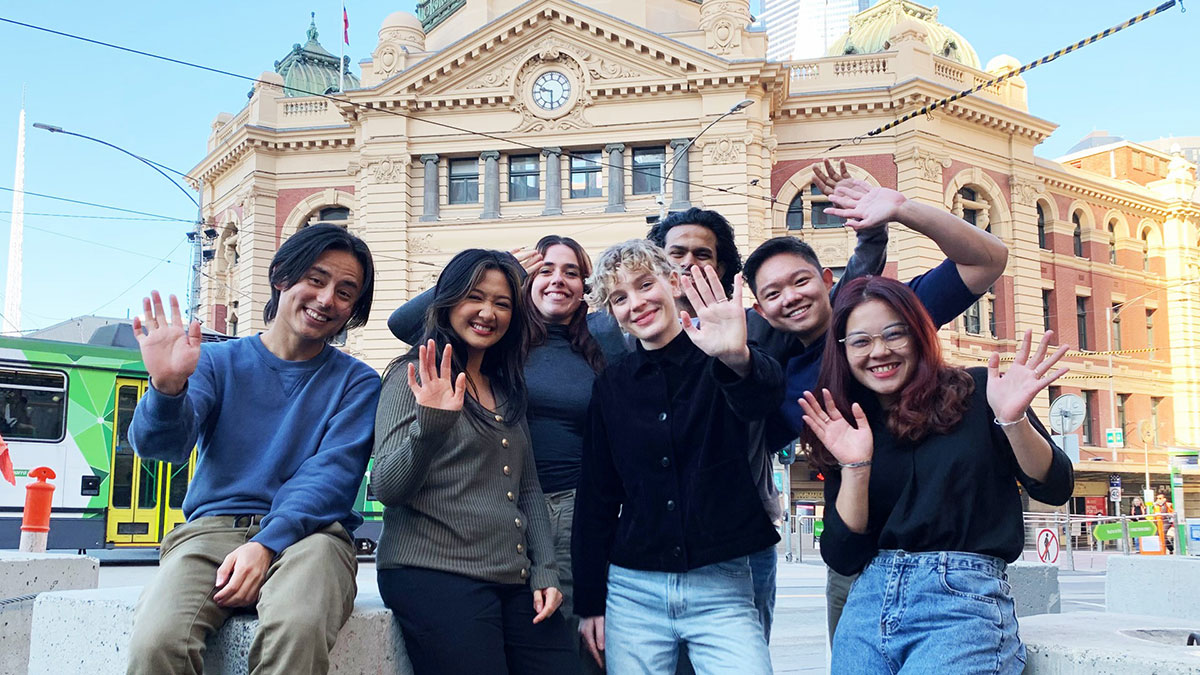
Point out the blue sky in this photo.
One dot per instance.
(1139, 84)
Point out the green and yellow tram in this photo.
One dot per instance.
(68, 406)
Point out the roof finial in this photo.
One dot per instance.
(312, 28)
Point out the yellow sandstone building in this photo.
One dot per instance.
(493, 122)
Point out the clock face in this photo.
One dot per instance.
(551, 90)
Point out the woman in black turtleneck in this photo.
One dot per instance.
(563, 361)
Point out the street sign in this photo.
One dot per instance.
(1115, 437)
(1142, 528)
(1114, 494)
(1047, 545)
(1114, 480)
(1107, 531)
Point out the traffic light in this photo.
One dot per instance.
(787, 454)
(816, 476)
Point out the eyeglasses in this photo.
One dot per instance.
(860, 344)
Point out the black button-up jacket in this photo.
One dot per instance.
(666, 482)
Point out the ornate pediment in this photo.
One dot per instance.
(483, 65)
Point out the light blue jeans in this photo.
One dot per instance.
(943, 612)
(710, 609)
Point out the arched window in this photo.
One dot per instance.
(1146, 250)
(1077, 235)
(334, 215)
(973, 208)
(812, 202)
(1041, 226)
(817, 204)
(795, 213)
(1112, 242)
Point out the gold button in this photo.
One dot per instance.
(499, 418)
(510, 496)
(524, 574)
(520, 548)
(504, 442)
(517, 521)
(507, 470)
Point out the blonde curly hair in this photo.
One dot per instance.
(635, 255)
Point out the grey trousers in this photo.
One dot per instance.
(307, 595)
(837, 589)
(562, 510)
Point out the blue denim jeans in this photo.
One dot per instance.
(710, 609)
(938, 612)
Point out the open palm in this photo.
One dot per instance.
(848, 443)
(722, 329)
(436, 388)
(170, 350)
(1010, 395)
(863, 205)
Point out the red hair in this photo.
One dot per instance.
(934, 398)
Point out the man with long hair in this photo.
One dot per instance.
(284, 424)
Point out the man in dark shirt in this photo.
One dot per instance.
(704, 237)
(666, 495)
(793, 292)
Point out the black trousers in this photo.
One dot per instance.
(453, 624)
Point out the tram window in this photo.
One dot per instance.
(179, 485)
(33, 405)
(122, 476)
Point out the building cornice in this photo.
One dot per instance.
(265, 139)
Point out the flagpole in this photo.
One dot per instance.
(342, 59)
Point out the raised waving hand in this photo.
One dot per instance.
(722, 329)
(848, 443)
(169, 349)
(1010, 395)
(436, 388)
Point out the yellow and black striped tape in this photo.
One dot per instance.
(1045, 59)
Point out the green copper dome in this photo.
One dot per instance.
(310, 69)
(869, 31)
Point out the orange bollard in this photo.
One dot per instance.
(35, 522)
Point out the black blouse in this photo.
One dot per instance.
(949, 492)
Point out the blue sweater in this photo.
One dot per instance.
(288, 439)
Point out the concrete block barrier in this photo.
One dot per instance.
(1035, 588)
(88, 632)
(22, 576)
(1100, 643)
(1153, 584)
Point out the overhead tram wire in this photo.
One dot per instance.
(98, 206)
(80, 216)
(925, 110)
(362, 106)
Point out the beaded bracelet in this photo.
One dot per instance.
(1022, 418)
(855, 465)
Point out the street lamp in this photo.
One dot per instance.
(682, 152)
(1110, 313)
(194, 291)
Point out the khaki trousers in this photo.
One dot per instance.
(307, 595)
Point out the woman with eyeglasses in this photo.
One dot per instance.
(922, 461)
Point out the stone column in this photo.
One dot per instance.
(616, 177)
(491, 184)
(553, 181)
(679, 177)
(430, 198)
